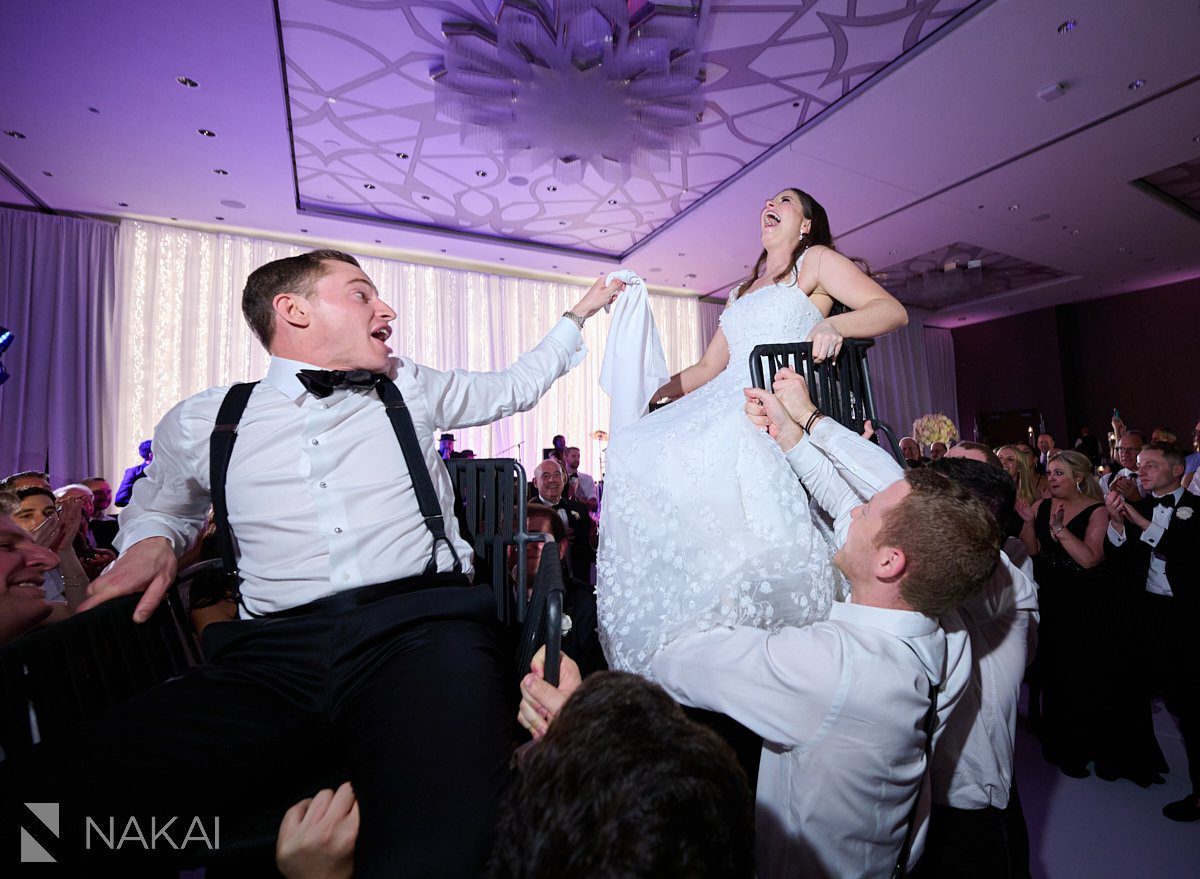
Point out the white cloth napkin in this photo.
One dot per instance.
(634, 363)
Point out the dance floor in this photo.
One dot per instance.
(1091, 829)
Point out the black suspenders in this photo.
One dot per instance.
(220, 449)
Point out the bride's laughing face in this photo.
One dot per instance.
(782, 220)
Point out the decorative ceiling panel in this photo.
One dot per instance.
(959, 273)
(1178, 185)
(373, 138)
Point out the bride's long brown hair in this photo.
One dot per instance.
(818, 233)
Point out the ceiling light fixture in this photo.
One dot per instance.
(481, 173)
(612, 201)
(1067, 26)
(222, 219)
(204, 132)
(221, 171)
(122, 204)
(368, 186)
(603, 231)
(305, 231)
(48, 173)
(639, 74)
(233, 203)
(401, 155)
(15, 135)
(187, 82)
(548, 188)
(93, 109)
(331, 100)
(1136, 84)
(1014, 207)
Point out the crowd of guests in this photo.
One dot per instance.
(1094, 604)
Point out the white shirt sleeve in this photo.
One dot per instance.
(840, 469)
(781, 685)
(1117, 539)
(173, 498)
(458, 398)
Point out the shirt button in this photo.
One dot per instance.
(323, 485)
(315, 442)
(324, 405)
(337, 530)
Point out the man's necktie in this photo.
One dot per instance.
(1167, 500)
(323, 382)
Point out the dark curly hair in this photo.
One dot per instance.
(625, 786)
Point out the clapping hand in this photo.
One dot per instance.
(1127, 487)
(1057, 522)
(1115, 503)
(1027, 512)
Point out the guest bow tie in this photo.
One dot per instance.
(1167, 500)
(323, 382)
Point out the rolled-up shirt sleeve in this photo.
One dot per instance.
(458, 398)
(1115, 537)
(173, 498)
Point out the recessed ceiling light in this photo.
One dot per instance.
(562, 222)
(553, 267)
(1067, 26)
(401, 155)
(368, 186)
(1196, 139)
(424, 198)
(603, 231)
(187, 82)
(690, 275)
(890, 253)
(331, 100)
(979, 206)
(16, 135)
(501, 259)
(48, 173)
(221, 218)
(1014, 207)
(305, 231)
(221, 171)
(174, 219)
(122, 204)
(1122, 250)
(552, 189)
(233, 203)
(1136, 84)
(93, 109)
(206, 132)
(378, 241)
(612, 201)
(1074, 231)
(795, 103)
(481, 173)
(681, 253)
(443, 250)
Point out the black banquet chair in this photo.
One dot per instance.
(840, 388)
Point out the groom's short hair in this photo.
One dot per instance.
(949, 540)
(295, 274)
(623, 784)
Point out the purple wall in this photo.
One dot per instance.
(1009, 364)
(1139, 352)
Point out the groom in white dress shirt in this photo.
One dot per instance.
(354, 619)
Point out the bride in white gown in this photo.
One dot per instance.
(704, 523)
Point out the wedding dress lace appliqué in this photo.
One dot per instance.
(704, 523)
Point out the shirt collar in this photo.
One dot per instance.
(902, 623)
(281, 375)
(1177, 494)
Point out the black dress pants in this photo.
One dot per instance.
(405, 696)
(1174, 671)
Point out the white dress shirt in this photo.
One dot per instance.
(320, 498)
(1106, 480)
(585, 486)
(840, 704)
(1156, 577)
(973, 751)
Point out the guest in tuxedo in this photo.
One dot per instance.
(1155, 541)
(1064, 535)
(1045, 447)
(1124, 478)
(362, 648)
(582, 485)
(134, 473)
(911, 450)
(549, 479)
(102, 526)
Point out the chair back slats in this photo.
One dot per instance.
(840, 388)
(60, 674)
(543, 623)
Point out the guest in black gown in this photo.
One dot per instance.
(1064, 534)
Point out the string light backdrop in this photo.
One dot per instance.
(178, 328)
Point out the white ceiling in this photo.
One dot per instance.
(933, 150)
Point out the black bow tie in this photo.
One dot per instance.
(323, 382)
(1167, 500)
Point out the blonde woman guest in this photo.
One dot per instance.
(1064, 534)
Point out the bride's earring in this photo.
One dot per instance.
(1079, 487)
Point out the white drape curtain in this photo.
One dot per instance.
(710, 316)
(912, 373)
(178, 329)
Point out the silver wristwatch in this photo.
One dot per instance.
(576, 318)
